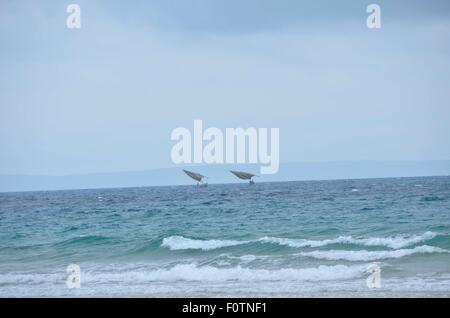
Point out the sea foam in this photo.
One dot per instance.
(364, 255)
(182, 243)
(393, 242)
(193, 272)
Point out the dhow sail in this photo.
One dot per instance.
(196, 176)
(243, 175)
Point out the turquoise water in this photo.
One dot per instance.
(313, 238)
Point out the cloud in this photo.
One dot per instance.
(106, 97)
(236, 16)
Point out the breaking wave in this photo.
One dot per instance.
(334, 255)
(394, 242)
(193, 272)
(182, 243)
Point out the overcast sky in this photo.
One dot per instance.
(106, 97)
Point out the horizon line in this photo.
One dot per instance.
(208, 165)
(225, 183)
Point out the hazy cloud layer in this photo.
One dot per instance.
(106, 97)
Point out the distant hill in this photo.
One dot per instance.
(220, 174)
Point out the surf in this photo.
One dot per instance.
(393, 242)
(365, 256)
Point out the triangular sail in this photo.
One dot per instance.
(242, 175)
(194, 175)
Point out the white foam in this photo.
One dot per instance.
(188, 272)
(29, 278)
(394, 242)
(192, 272)
(304, 242)
(398, 241)
(364, 255)
(182, 243)
(143, 279)
(248, 258)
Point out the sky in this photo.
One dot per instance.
(106, 97)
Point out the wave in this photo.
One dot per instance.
(334, 255)
(182, 243)
(245, 259)
(304, 242)
(138, 280)
(86, 239)
(394, 242)
(398, 241)
(193, 272)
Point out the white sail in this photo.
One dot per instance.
(194, 175)
(242, 175)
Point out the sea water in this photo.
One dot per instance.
(293, 239)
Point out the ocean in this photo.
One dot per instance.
(289, 239)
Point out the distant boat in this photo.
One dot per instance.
(244, 176)
(197, 177)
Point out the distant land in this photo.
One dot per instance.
(220, 174)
